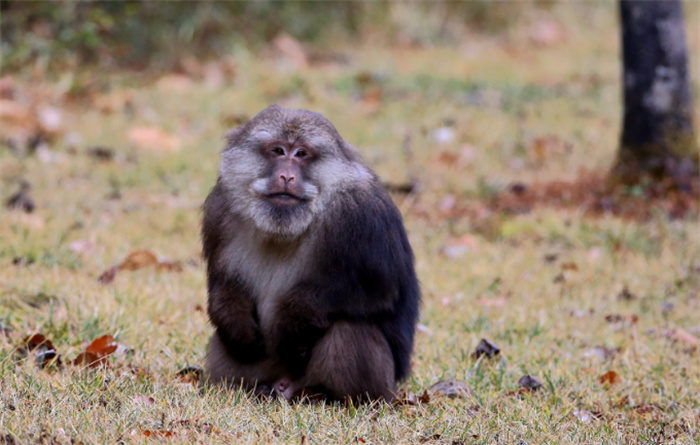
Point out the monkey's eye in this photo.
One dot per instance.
(300, 154)
(278, 151)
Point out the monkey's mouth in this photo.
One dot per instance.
(285, 199)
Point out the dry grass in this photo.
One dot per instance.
(547, 286)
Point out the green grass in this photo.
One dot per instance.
(546, 327)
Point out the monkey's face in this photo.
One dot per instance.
(282, 168)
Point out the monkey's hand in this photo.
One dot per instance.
(299, 325)
(232, 312)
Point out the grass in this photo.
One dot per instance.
(545, 286)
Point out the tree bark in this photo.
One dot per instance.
(658, 141)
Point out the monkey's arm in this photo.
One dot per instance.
(365, 273)
(232, 312)
(231, 308)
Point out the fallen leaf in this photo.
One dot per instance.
(487, 348)
(451, 389)
(153, 138)
(108, 275)
(610, 378)
(447, 158)
(102, 346)
(42, 349)
(157, 433)
(138, 259)
(529, 382)
(88, 359)
(570, 266)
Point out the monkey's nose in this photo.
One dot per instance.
(287, 178)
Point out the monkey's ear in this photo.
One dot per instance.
(232, 135)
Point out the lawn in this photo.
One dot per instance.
(602, 309)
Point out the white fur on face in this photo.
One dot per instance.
(242, 172)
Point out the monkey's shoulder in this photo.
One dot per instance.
(364, 218)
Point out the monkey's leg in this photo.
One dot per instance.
(351, 361)
(222, 368)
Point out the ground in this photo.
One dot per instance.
(601, 306)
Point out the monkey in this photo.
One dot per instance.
(312, 289)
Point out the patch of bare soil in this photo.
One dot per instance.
(591, 193)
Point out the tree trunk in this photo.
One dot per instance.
(658, 141)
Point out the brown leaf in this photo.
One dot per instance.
(42, 349)
(154, 139)
(102, 346)
(108, 275)
(487, 348)
(88, 359)
(157, 433)
(610, 378)
(173, 266)
(448, 158)
(570, 266)
(138, 259)
(35, 341)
